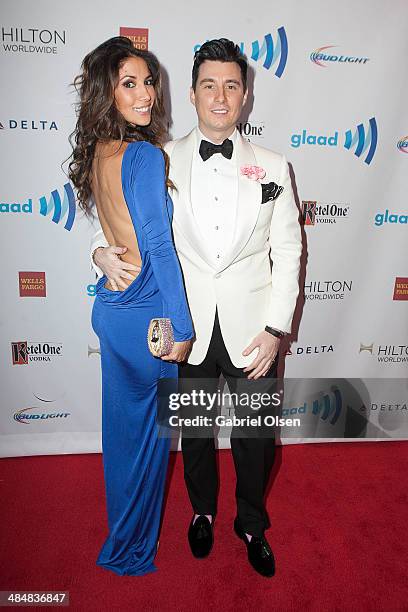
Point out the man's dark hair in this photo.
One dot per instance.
(220, 50)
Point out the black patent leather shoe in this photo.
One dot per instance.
(260, 554)
(200, 537)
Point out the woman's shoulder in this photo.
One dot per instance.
(143, 147)
(143, 153)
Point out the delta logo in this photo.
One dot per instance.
(271, 51)
(362, 140)
(401, 288)
(23, 352)
(60, 209)
(320, 55)
(32, 284)
(402, 144)
(315, 213)
(138, 36)
(44, 125)
(310, 350)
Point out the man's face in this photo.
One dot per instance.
(219, 96)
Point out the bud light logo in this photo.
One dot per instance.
(360, 141)
(318, 56)
(25, 418)
(268, 51)
(402, 144)
(60, 209)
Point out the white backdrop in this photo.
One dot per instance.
(320, 69)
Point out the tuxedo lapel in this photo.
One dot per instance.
(181, 160)
(248, 206)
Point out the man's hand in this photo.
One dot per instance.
(108, 259)
(179, 352)
(268, 348)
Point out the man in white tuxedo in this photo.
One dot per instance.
(239, 245)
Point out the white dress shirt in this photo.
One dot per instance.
(214, 197)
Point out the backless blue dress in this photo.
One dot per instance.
(134, 456)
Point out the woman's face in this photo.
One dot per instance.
(134, 93)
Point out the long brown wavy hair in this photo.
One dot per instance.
(98, 117)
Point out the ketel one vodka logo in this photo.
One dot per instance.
(328, 213)
(23, 352)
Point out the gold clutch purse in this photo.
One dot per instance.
(160, 337)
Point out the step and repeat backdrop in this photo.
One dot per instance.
(328, 89)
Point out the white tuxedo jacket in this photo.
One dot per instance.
(256, 282)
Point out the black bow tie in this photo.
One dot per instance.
(208, 148)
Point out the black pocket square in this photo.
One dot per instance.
(270, 191)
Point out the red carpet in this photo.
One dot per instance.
(339, 534)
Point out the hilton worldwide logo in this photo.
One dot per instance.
(32, 40)
(386, 353)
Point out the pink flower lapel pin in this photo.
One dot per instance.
(255, 173)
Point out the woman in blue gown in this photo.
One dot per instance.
(118, 163)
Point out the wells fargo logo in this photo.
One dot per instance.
(32, 284)
(138, 36)
(401, 288)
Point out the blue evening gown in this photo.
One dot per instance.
(134, 456)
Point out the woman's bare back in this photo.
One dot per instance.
(112, 209)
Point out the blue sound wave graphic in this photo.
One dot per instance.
(271, 52)
(363, 141)
(59, 208)
(328, 408)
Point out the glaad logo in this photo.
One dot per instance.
(32, 40)
(29, 124)
(387, 353)
(317, 56)
(59, 208)
(267, 51)
(91, 290)
(359, 139)
(328, 407)
(381, 218)
(363, 141)
(402, 144)
(26, 352)
(329, 213)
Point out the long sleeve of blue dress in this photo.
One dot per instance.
(144, 166)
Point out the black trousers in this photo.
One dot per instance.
(253, 456)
